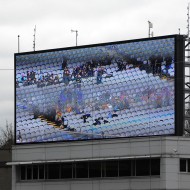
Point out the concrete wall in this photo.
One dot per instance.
(170, 149)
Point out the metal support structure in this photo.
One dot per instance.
(188, 20)
(187, 80)
(187, 89)
(76, 31)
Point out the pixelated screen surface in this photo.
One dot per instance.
(123, 89)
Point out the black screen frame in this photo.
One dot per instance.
(178, 85)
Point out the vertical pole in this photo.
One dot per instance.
(76, 33)
(188, 21)
(18, 44)
(34, 42)
(150, 25)
(76, 36)
(188, 54)
(149, 30)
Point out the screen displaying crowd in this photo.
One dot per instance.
(102, 91)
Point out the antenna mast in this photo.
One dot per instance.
(187, 38)
(188, 21)
(34, 41)
(18, 43)
(187, 79)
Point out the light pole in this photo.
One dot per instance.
(150, 25)
(76, 31)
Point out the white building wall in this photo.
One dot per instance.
(170, 149)
(89, 149)
(122, 184)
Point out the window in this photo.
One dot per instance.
(183, 165)
(29, 172)
(66, 170)
(110, 168)
(95, 169)
(41, 171)
(35, 172)
(155, 166)
(125, 168)
(53, 171)
(81, 170)
(142, 167)
(23, 173)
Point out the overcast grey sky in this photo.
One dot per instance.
(97, 21)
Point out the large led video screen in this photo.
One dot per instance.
(112, 90)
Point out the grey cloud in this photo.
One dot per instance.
(98, 21)
(23, 12)
(6, 111)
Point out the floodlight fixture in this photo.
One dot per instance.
(150, 25)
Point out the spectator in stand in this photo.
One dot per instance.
(78, 80)
(90, 71)
(139, 62)
(51, 79)
(152, 64)
(29, 82)
(133, 61)
(56, 79)
(108, 60)
(41, 83)
(119, 65)
(66, 76)
(85, 117)
(28, 75)
(23, 78)
(59, 119)
(35, 81)
(100, 72)
(97, 122)
(159, 61)
(74, 73)
(24, 81)
(145, 66)
(64, 64)
(168, 63)
(47, 77)
(19, 136)
(33, 75)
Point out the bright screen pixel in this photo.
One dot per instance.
(115, 90)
